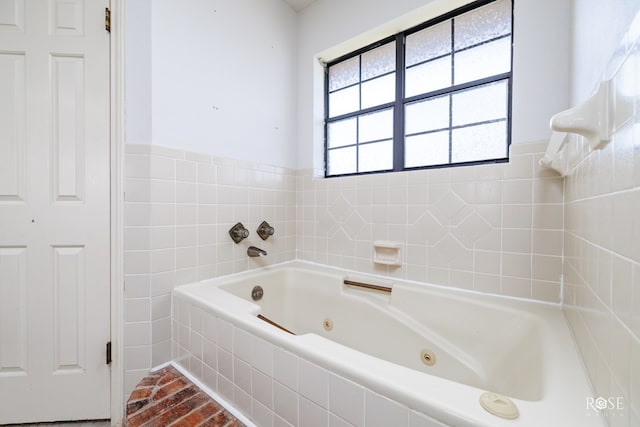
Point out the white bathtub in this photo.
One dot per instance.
(376, 340)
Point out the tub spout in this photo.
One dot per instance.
(252, 251)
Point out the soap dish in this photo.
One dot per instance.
(387, 253)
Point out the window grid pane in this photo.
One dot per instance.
(455, 101)
(479, 104)
(482, 142)
(342, 133)
(429, 76)
(342, 161)
(375, 157)
(378, 91)
(427, 149)
(429, 43)
(483, 61)
(486, 23)
(375, 126)
(379, 61)
(344, 74)
(344, 101)
(427, 115)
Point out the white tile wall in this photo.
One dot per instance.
(179, 207)
(273, 387)
(492, 228)
(602, 250)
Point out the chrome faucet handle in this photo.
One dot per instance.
(238, 232)
(265, 230)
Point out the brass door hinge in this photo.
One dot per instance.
(107, 19)
(109, 353)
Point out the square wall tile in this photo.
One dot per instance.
(285, 403)
(335, 421)
(417, 419)
(225, 364)
(285, 368)
(261, 415)
(262, 388)
(313, 382)
(225, 335)
(242, 344)
(138, 333)
(382, 412)
(311, 415)
(242, 375)
(346, 399)
(262, 355)
(186, 171)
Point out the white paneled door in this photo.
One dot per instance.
(54, 210)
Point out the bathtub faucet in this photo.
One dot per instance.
(252, 251)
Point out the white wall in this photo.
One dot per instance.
(540, 66)
(597, 30)
(541, 60)
(237, 78)
(138, 72)
(213, 77)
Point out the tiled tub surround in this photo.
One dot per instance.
(493, 228)
(179, 207)
(520, 348)
(602, 249)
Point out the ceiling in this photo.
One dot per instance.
(298, 5)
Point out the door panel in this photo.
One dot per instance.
(68, 127)
(12, 15)
(54, 210)
(13, 323)
(12, 126)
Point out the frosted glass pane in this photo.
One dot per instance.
(344, 132)
(375, 157)
(427, 115)
(344, 74)
(344, 101)
(341, 161)
(428, 43)
(485, 23)
(380, 60)
(428, 77)
(488, 102)
(483, 142)
(427, 149)
(379, 91)
(483, 61)
(375, 126)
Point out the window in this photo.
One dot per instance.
(435, 95)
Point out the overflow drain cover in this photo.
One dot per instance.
(499, 405)
(257, 293)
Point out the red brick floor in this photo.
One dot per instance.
(166, 398)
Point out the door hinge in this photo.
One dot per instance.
(107, 19)
(109, 353)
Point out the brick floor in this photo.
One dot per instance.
(167, 398)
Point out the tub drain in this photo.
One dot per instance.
(427, 357)
(327, 324)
